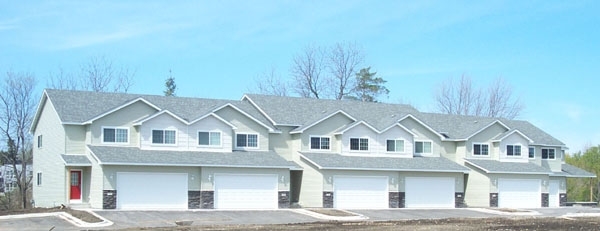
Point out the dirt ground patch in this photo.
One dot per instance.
(523, 223)
(82, 215)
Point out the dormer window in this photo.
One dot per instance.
(481, 149)
(247, 141)
(209, 138)
(548, 153)
(163, 136)
(319, 143)
(513, 150)
(395, 145)
(115, 135)
(359, 144)
(423, 147)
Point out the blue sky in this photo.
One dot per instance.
(549, 51)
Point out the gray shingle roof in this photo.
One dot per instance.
(76, 160)
(306, 111)
(415, 164)
(494, 166)
(573, 171)
(109, 155)
(538, 136)
(81, 106)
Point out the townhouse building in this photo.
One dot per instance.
(130, 151)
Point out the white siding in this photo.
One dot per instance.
(360, 131)
(395, 133)
(325, 128)
(208, 176)
(477, 192)
(47, 160)
(424, 134)
(245, 125)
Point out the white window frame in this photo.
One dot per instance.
(396, 140)
(548, 154)
(39, 178)
(359, 146)
(513, 150)
(209, 139)
(247, 147)
(480, 147)
(320, 143)
(39, 141)
(423, 141)
(116, 142)
(529, 152)
(164, 132)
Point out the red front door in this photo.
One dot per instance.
(76, 185)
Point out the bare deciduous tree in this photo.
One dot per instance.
(99, 74)
(306, 70)
(343, 61)
(463, 99)
(17, 105)
(270, 83)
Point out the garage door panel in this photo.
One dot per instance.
(354, 192)
(235, 191)
(141, 190)
(429, 192)
(519, 193)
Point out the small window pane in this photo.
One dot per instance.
(418, 147)
(315, 143)
(391, 145)
(241, 140)
(426, 147)
(109, 135)
(354, 144)
(364, 144)
(215, 139)
(170, 137)
(252, 140)
(157, 136)
(325, 143)
(531, 152)
(203, 138)
(121, 135)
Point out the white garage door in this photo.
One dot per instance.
(144, 190)
(519, 193)
(236, 191)
(554, 195)
(429, 192)
(353, 192)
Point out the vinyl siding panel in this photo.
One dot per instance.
(514, 139)
(283, 143)
(477, 193)
(47, 159)
(311, 192)
(494, 188)
(424, 134)
(395, 133)
(360, 131)
(485, 137)
(122, 118)
(75, 139)
(96, 184)
(245, 125)
(328, 185)
(110, 174)
(458, 179)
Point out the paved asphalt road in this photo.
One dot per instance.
(124, 219)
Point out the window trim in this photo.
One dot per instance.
(247, 147)
(480, 144)
(164, 132)
(359, 146)
(320, 143)
(548, 154)
(209, 145)
(396, 151)
(39, 179)
(423, 141)
(529, 152)
(115, 143)
(39, 141)
(513, 150)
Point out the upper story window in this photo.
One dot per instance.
(395, 145)
(247, 140)
(319, 143)
(359, 144)
(481, 149)
(423, 147)
(513, 150)
(531, 153)
(39, 141)
(163, 136)
(115, 135)
(209, 138)
(548, 154)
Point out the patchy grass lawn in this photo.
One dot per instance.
(82, 215)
